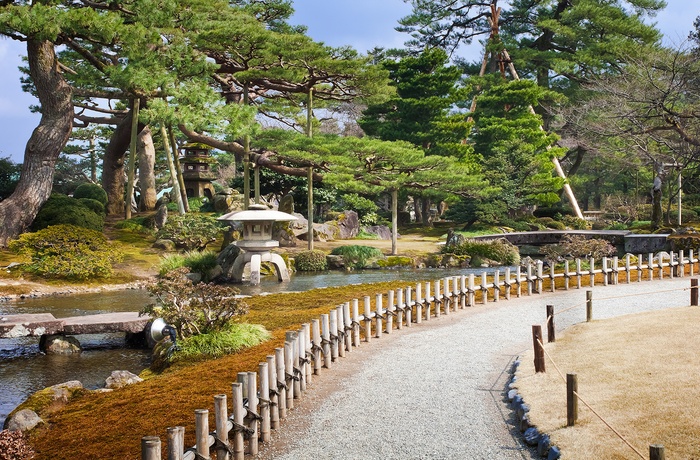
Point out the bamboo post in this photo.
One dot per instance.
(150, 446)
(400, 307)
(539, 349)
(306, 353)
(292, 338)
(567, 275)
(463, 291)
(356, 322)
(591, 271)
(650, 266)
(427, 301)
(640, 266)
(518, 279)
(349, 328)
(201, 428)
(419, 303)
(378, 316)
(455, 293)
(409, 306)
(238, 414)
(589, 306)
(326, 340)
(289, 373)
(551, 335)
(265, 403)
(571, 399)
(368, 320)
(253, 441)
(657, 452)
(694, 292)
(389, 311)
(221, 420)
(615, 270)
(176, 443)
(681, 263)
(661, 266)
(496, 285)
(333, 316)
(446, 296)
(273, 392)
(628, 275)
(470, 289)
(484, 289)
(552, 283)
(528, 278)
(604, 269)
(281, 383)
(340, 332)
(507, 283)
(578, 274)
(438, 298)
(316, 344)
(540, 283)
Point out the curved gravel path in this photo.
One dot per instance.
(437, 390)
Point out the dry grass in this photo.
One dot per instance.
(639, 372)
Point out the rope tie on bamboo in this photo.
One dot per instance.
(291, 377)
(274, 392)
(380, 316)
(281, 385)
(221, 444)
(348, 328)
(304, 360)
(298, 372)
(315, 347)
(354, 323)
(265, 402)
(333, 337)
(238, 428)
(392, 313)
(253, 416)
(198, 456)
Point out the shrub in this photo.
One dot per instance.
(190, 231)
(92, 191)
(576, 223)
(366, 209)
(310, 261)
(548, 222)
(61, 209)
(67, 251)
(231, 339)
(499, 250)
(578, 247)
(191, 308)
(196, 261)
(136, 225)
(356, 256)
(93, 205)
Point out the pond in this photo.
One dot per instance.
(25, 370)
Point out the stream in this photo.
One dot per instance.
(25, 370)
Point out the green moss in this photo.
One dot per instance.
(396, 261)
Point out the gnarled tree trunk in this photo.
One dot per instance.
(113, 175)
(45, 144)
(147, 178)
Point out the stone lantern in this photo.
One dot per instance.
(196, 171)
(257, 242)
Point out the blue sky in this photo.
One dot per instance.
(362, 24)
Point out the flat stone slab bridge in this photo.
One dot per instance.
(39, 324)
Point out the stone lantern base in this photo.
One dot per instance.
(255, 258)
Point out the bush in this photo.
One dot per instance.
(356, 256)
(93, 205)
(366, 209)
(61, 209)
(92, 191)
(136, 225)
(190, 231)
(311, 261)
(548, 222)
(193, 309)
(553, 211)
(579, 247)
(231, 339)
(196, 261)
(67, 251)
(499, 250)
(576, 223)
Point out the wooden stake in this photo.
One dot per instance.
(571, 399)
(176, 443)
(589, 306)
(656, 452)
(253, 424)
(694, 292)
(221, 419)
(238, 415)
(150, 448)
(281, 383)
(273, 395)
(265, 405)
(551, 335)
(201, 427)
(539, 349)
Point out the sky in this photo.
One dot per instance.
(362, 24)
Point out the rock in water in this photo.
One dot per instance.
(120, 379)
(59, 344)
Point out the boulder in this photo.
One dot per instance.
(226, 258)
(59, 344)
(23, 420)
(335, 262)
(166, 245)
(227, 200)
(120, 379)
(161, 217)
(286, 204)
(348, 224)
(382, 231)
(282, 232)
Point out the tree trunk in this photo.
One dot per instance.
(656, 210)
(113, 167)
(147, 178)
(394, 221)
(45, 144)
(418, 208)
(425, 204)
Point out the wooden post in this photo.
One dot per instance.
(552, 283)
(571, 399)
(292, 338)
(551, 335)
(150, 445)
(681, 264)
(650, 266)
(628, 275)
(694, 292)
(389, 311)
(305, 355)
(409, 307)
(484, 289)
(201, 428)
(640, 265)
(281, 383)
(176, 443)
(221, 420)
(578, 273)
(347, 322)
(615, 270)
(333, 316)
(289, 373)
(317, 345)
(507, 283)
(400, 307)
(589, 306)
(656, 452)
(446, 296)
(368, 320)
(539, 276)
(340, 331)
(356, 322)
(274, 398)
(691, 263)
(379, 313)
(591, 271)
(238, 414)
(326, 340)
(253, 411)
(496, 285)
(567, 275)
(463, 291)
(518, 279)
(470, 289)
(604, 268)
(265, 403)
(427, 301)
(539, 349)
(437, 298)
(419, 303)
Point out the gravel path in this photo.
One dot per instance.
(437, 390)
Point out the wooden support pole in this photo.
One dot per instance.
(150, 445)
(540, 282)
(201, 428)
(650, 265)
(274, 398)
(368, 320)
(400, 307)
(281, 383)
(628, 275)
(552, 281)
(265, 403)
(589, 306)
(379, 314)
(348, 327)
(340, 331)
(694, 292)
(253, 441)
(691, 263)
(578, 274)
(571, 399)
(419, 303)
(463, 290)
(409, 306)
(656, 452)
(176, 443)
(528, 278)
(389, 311)
(356, 322)
(604, 269)
(289, 373)
(305, 355)
(551, 335)
(221, 420)
(437, 297)
(539, 349)
(238, 415)
(427, 301)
